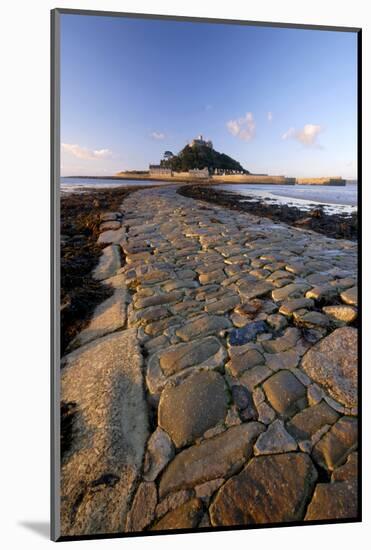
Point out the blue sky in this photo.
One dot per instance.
(280, 101)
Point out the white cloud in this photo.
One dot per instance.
(307, 135)
(102, 153)
(270, 116)
(289, 133)
(158, 135)
(85, 153)
(243, 127)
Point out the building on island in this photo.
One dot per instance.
(157, 170)
(199, 142)
(199, 173)
(222, 172)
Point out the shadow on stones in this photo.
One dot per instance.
(68, 415)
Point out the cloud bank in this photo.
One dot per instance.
(307, 136)
(270, 116)
(85, 153)
(243, 127)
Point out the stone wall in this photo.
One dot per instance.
(204, 173)
(251, 178)
(159, 171)
(321, 181)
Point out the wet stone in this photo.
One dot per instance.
(347, 471)
(249, 308)
(203, 326)
(344, 282)
(311, 319)
(285, 342)
(145, 316)
(240, 363)
(186, 306)
(244, 403)
(292, 290)
(160, 450)
(255, 290)
(152, 345)
(238, 320)
(305, 423)
(111, 224)
(206, 490)
(260, 273)
(186, 516)
(277, 321)
(172, 501)
(255, 376)
(157, 328)
(241, 396)
(350, 296)
(314, 394)
(142, 512)
(333, 501)
(157, 300)
(323, 292)
(341, 314)
(333, 363)
(139, 257)
(334, 447)
(240, 336)
(265, 413)
(110, 216)
(186, 411)
(258, 396)
(285, 393)
(288, 307)
(233, 417)
(115, 236)
(251, 497)
(222, 306)
(214, 458)
(109, 263)
(179, 285)
(108, 317)
(275, 440)
(297, 269)
(212, 277)
(279, 283)
(153, 277)
(284, 360)
(279, 274)
(181, 356)
(313, 335)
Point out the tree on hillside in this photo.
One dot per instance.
(201, 157)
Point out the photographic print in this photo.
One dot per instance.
(206, 192)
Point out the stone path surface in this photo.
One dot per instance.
(244, 406)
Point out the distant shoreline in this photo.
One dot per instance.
(216, 180)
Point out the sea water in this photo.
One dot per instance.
(334, 199)
(78, 185)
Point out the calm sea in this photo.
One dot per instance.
(334, 199)
(73, 185)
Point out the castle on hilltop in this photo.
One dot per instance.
(199, 142)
